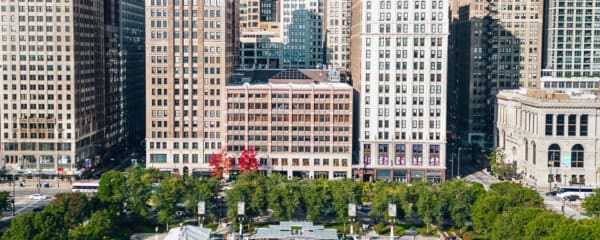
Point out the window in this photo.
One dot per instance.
(533, 152)
(417, 155)
(560, 125)
(400, 154)
(577, 156)
(383, 158)
(554, 155)
(549, 121)
(434, 155)
(583, 125)
(158, 158)
(572, 130)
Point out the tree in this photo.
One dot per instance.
(139, 187)
(500, 198)
(499, 166)
(591, 204)
(247, 161)
(73, 207)
(5, 200)
(220, 163)
(315, 197)
(199, 189)
(385, 193)
(511, 224)
(99, 227)
(166, 198)
(428, 205)
(112, 191)
(457, 197)
(22, 227)
(49, 224)
(343, 192)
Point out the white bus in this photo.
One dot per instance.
(85, 187)
(581, 192)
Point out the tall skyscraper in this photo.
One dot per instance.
(572, 43)
(302, 33)
(131, 42)
(403, 90)
(193, 48)
(53, 85)
(495, 45)
(338, 20)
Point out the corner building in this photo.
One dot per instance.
(403, 90)
(52, 85)
(191, 51)
(551, 136)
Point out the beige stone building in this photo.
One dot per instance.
(299, 122)
(552, 137)
(52, 85)
(338, 21)
(191, 51)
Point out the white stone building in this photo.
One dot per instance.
(403, 88)
(551, 136)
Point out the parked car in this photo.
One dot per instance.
(37, 196)
(572, 198)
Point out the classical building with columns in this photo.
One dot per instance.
(551, 135)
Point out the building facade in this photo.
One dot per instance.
(192, 49)
(131, 42)
(260, 50)
(495, 45)
(302, 34)
(250, 15)
(403, 91)
(572, 38)
(53, 86)
(338, 21)
(551, 137)
(469, 117)
(299, 123)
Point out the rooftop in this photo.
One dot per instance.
(549, 97)
(188, 232)
(295, 230)
(284, 76)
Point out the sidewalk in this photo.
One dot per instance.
(33, 185)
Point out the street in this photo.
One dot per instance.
(22, 202)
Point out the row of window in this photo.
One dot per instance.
(556, 126)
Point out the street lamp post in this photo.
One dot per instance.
(351, 217)
(201, 212)
(14, 196)
(241, 207)
(392, 215)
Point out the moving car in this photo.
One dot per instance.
(37, 196)
(571, 198)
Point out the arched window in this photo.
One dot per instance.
(554, 155)
(526, 151)
(577, 156)
(533, 152)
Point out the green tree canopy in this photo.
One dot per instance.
(591, 204)
(166, 198)
(112, 191)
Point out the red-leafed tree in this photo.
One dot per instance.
(220, 163)
(247, 161)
